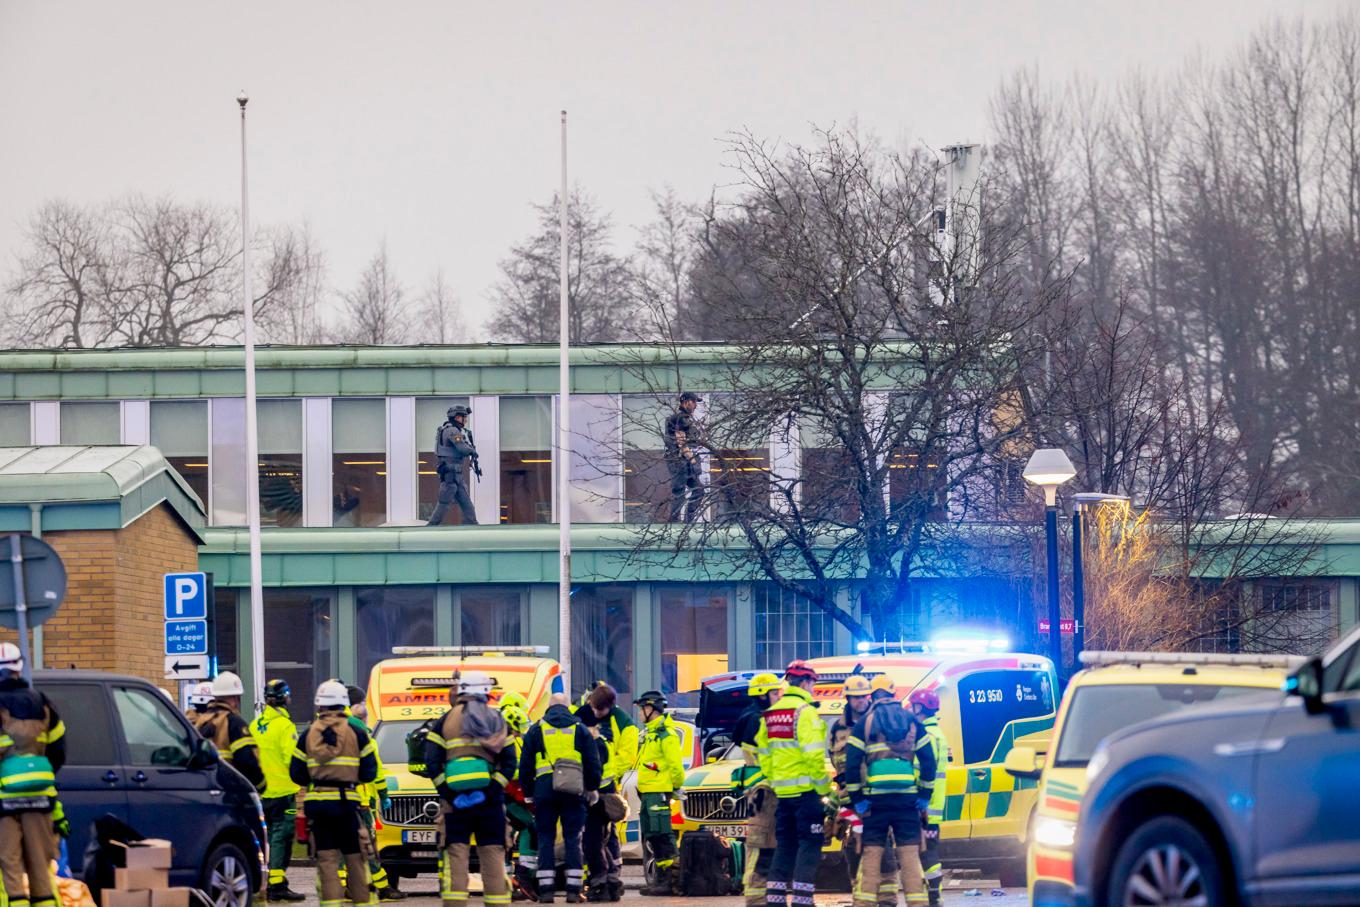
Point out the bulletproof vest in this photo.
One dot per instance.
(451, 729)
(214, 723)
(332, 749)
(24, 718)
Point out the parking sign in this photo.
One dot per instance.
(186, 596)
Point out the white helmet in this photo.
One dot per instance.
(11, 659)
(227, 684)
(331, 694)
(201, 694)
(474, 683)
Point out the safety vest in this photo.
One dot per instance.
(558, 743)
(941, 746)
(792, 745)
(277, 738)
(332, 767)
(888, 769)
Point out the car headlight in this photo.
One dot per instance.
(1052, 832)
(1099, 759)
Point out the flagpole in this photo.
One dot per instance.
(252, 438)
(564, 438)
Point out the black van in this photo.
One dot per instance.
(130, 752)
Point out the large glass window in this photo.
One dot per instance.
(828, 490)
(16, 425)
(153, 733)
(646, 481)
(224, 627)
(228, 461)
(738, 457)
(595, 458)
(90, 423)
(490, 616)
(280, 430)
(526, 459)
(916, 480)
(693, 638)
(602, 638)
(358, 462)
(179, 429)
(297, 639)
(391, 616)
(431, 413)
(789, 626)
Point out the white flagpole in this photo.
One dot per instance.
(564, 441)
(252, 438)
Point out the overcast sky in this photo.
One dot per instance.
(434, 124)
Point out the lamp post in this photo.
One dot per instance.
(1080, 502)
(1049, 468)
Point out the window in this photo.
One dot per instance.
(1295, 616)
(917, 482)
(153, 732)
(990, 700)
(84, 710)
(280, 431)
(602, 638)
(431, 413)
(646, 480)
(228, 474)
(489, 616)
(224, 630)
(16, 425)
(789, 626)
(1011, 484)
(391, 616)
(828, 472)
(179, 429)
(90, 423)
(526, 459)
(693, 638)
(738, 456)
(391, 738)
(297, 639)
(358, 462)
(595, 442)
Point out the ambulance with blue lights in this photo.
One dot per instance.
(990, 700)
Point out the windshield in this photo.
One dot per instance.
(391, 737)
(1098, 711)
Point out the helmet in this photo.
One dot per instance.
(800, 670)
(691, 397)
(11, 659)
(883, 684)
(459, 410)
(202, 694)
(514, 700)
(473, 683)
(227, 684)
(516, 718)
(926, 699)
(277, 692)
(762, 684)
(332, 695)
(857, 685)
(654, 698)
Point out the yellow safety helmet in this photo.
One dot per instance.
(857, 685)
(761, 684)
(883, 684)
(511, 699)
(516, 718)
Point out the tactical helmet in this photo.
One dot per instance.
(762, 684)
(800, 670)
(857, 685)
(459, 410)
(691, 397)
(654, 698)
(277, 692)
(926, 699)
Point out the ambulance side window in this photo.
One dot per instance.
(990, 700)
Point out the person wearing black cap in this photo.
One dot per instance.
(681, 436)
(453, 445)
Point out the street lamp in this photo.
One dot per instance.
(1049, 468)
(1080, 502)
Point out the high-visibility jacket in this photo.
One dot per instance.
(940, 745)
(334, 770)
(749, 776)
(620, 735)
(558, 743)
(791, 745)
(660, 769)
(276, 736)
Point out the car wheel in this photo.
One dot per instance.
(226, 877)
(648, 865)
(1164, 862)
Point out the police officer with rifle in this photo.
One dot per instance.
(453, 445)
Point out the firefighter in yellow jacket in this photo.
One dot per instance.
(333, 758)
(276, 737)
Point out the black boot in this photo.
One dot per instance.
(574, 896)
(597, 893)
(281, 892)
(615, 890)
(664, 885)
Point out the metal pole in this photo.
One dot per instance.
(1078, 588)
(1054, 606)
(564, 439)
(16, 559)
(252, 437)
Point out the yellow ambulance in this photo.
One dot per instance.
(406, 691)
(988, 700)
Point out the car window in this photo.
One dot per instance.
(1350, 681)
(391, 737)
(990, 700)
(84, 711)
(1099, 710)
(154, 733)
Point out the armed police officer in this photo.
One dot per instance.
(682, 458)
(454, 447)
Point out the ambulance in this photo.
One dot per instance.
(413, 687)
(988, 701)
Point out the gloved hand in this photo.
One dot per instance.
(386, 802)
(861, 808)
(471, 798)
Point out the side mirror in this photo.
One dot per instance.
(1306, 683)
(205, 754)
(1023, 762)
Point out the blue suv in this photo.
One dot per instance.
(1255, 801)
(131, 754)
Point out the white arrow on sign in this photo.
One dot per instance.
(186, 667)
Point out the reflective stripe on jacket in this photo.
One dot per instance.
(791, 745)
(558, 743)
(940, 745)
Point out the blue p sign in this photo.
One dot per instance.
(186, 596)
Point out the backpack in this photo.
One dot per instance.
(415, 748)
(897, 728)
(707, 865)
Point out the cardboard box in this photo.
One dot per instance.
(152, 853)
(170, 897)
(140, 879)
(111, 898)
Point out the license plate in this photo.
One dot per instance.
(418, 836)
(727, 831)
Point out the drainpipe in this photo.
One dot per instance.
(35, 517)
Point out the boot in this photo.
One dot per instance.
(615, 890)
(281, 892)
(664, 886)
(597, 893)
(390, 893)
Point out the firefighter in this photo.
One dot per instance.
(332, 759)
(660, 772)
(600, 710)
(32, 751)
(199, 697)
(791, 744)
(472, 745)
(561, 765)
(889, 792)
(925, 704)
(372, 798)
(276, 737)
(220, 721)
(857, 692)
(750, 782)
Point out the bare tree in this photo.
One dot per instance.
(662, 264)
(439, 312)
(297, 267)
(59, 296)
(376, 310)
